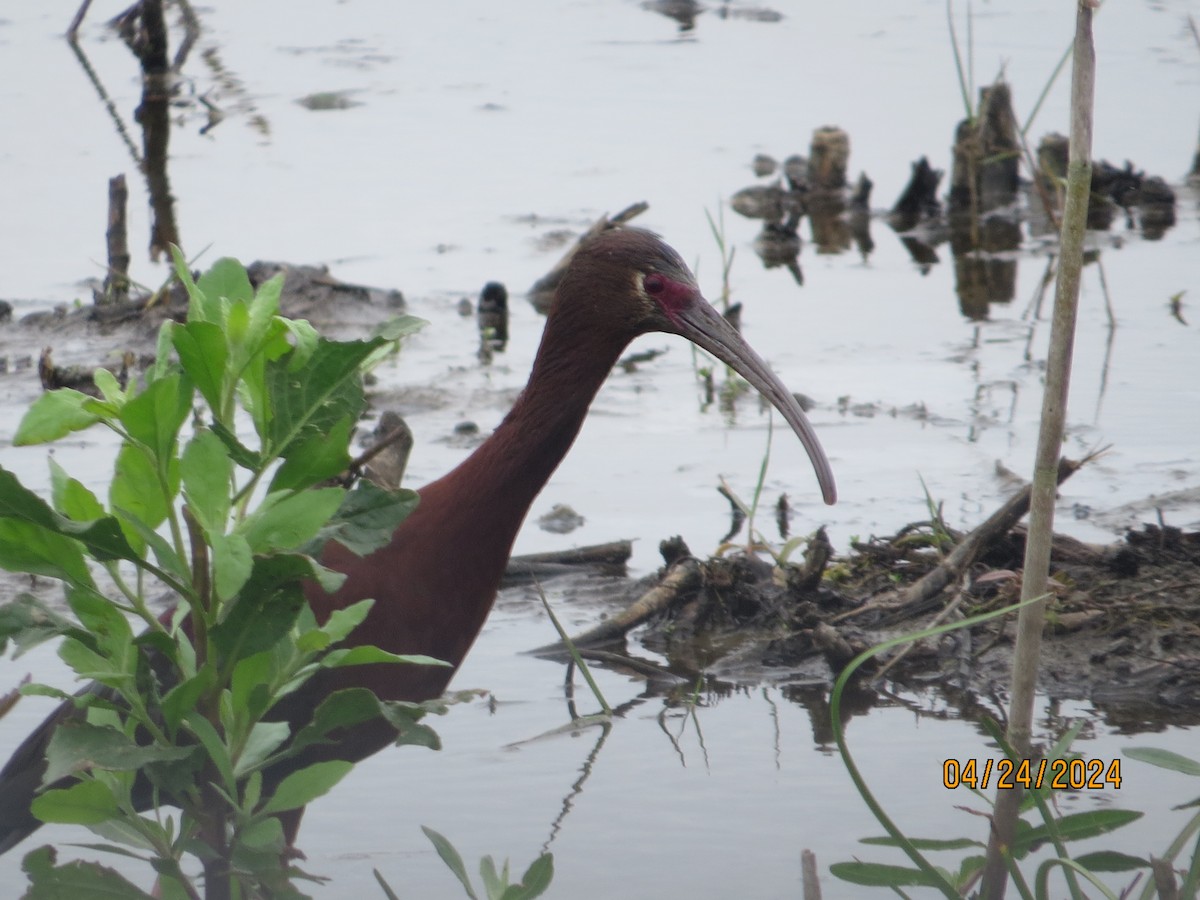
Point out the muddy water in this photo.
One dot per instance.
(477, 131)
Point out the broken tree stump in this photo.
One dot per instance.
(986, 155)
(828, 159)
(919, 200)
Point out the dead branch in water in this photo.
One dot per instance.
(901, 606)
(682, 578)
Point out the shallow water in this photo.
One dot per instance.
(478, 130)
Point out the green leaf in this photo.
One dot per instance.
(399, 327)
(232, 563)
(86, 662)
(263, 309)
(153, 417)
(27, 622)
(18, 502)
(370, 655)
(493, 883)
(104, 539)
(73, 880)
(302, 787)
(315, 457)
(249, 684)
(207, 470)
(538, 876)
(266, 608)
(238, 452)
(173, 649)
(77, 747)
(879, 875)
(255, 334)
(44, 690)
(237, 321)
(214, 746)
(384, 886)
(285, 521)
(196, 297)
(251, 795)
(225, 279)
(352, 706)
(1076, 827)
(53, 415)
(925, 843)
(1164, 759)
(410, 732)
(266, 834)
(181, 699)
(22, 507)
(329, 579)
(165, 362)
(83, 803)
(136, 491)
(325, 390)
(103, 621)
(110, 389)
(451, 858)
(304, 342)
(30, 548)
(204, 353)
(168, 560)
(967, 870)
(368, 517)
(342, 709)
(102, 535)
(252, 370)
(264, 739)
(1111, 861)
(343, 621)
(71, 498)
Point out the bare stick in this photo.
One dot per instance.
(808, 875)
(73, 28)
(116, 282)
(683, 577)
(1031, 619)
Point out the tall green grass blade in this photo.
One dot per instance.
(1045, 92)
(573, 650)
(963, 84)
(937, 878)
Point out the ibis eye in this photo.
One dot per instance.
(654, 283)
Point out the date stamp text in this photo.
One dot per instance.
(1057, 774)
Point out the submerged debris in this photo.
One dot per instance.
(492, 320)
(1121, 632)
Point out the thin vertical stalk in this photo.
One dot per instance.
(1031, 619)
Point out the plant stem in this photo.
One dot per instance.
(963, 85)
(1031, 619)
(571, 648)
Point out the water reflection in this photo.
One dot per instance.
(990, 218)
(165, 92)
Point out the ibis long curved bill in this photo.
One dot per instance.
(701, 324)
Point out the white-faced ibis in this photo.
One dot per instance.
(434, 583)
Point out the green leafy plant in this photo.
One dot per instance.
(1164, 876)
(226, 484)
(495, 883)
(1054, 830)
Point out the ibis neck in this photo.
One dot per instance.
(511, 467)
